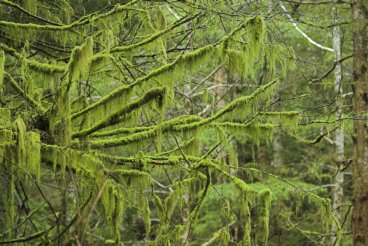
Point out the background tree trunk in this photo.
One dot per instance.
(360, 105)
(338, 194)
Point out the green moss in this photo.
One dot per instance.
(2, 70)
(263, 214)
(79, 62)
(174, 70)
(155, 36)
(21, 144)
(36, 65)
(33, 154)
(5, 116)
(253, 131)
(27, 97)
(153, 94)
(238, 108)
(286, 119)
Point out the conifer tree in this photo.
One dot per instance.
(92, 130)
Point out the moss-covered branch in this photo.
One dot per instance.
(82, 21)
(114, 118)
(38, 66)
(151, 132)
(156, 35)
(188, 59)
(239, 104)
(16, 6)
(163, 127)
(29, 99)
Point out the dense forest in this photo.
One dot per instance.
(190, 122)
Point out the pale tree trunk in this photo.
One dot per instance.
(277, 159)
(277, 147)
(186, 194)
(338, 194)
(220, 83)
(360, 107)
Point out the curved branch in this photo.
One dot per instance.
(303, 33)
(114, 118)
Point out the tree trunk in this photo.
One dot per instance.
(360, 105)
(338, 193)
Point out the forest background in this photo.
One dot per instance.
(183, 122)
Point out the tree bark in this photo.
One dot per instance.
(338, 193)
(360, 105)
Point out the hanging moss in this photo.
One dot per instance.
(112, 199)
(287, 119)
(33, 154)
(2, 70)
(27, 97)
(190, 60)
(233, 158)
(10, 208)
(263, 214)
(21, 144)
(79, 62)
(5, 116)
(149, 132)
(157, 35)
(30, 5)
(36, 65)
(82, 21)
(60, 125)
(238, 108)
(279, 54)
(153, 94)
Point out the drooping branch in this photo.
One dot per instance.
(239, 103)
(83, 21)
(29, 99)
(39, 66)
(114, 118)
(152, 131)
(16, 6)
(153, 37)
(181, 60)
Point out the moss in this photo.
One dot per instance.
(21, 144)
(287, 119)
(2, 70)
(27, 97)
(36, 65)
(153, 131)
(155, 36)
(82, 21)
(33, 154)
(79, 62)
(10, 171)
(113, 205)
(263, 214)
(30, 5)
(153, 94)
(255, 131)
(5, 116)
(238, 108)
(174, 70)
(233, 158)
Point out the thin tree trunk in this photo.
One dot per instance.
(360, 105)
(338, 193)
(277, 147)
